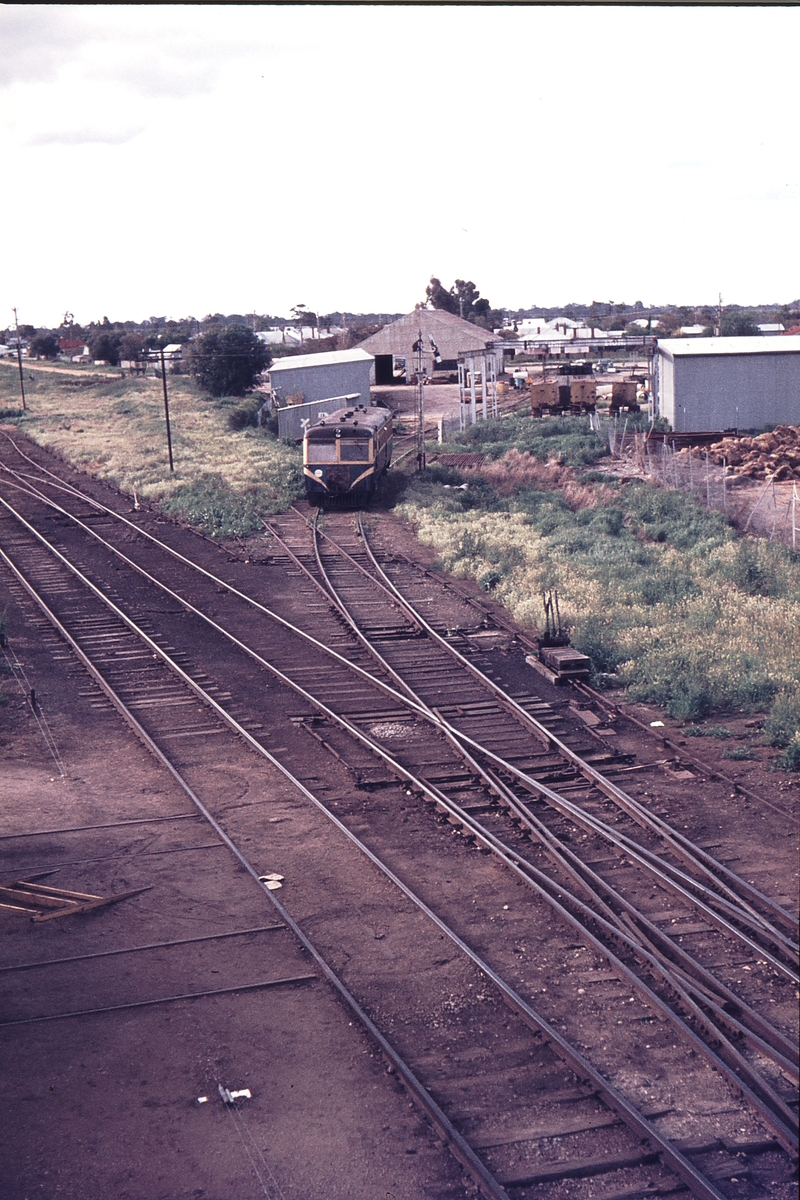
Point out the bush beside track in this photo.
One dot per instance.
(228, 473)
(663, 595)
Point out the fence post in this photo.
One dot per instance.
(725, 484)
(708, 484)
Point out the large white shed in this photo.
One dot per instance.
(727, 382)
(320, 376)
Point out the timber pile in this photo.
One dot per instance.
(773, 455)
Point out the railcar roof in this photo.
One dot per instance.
(351, 421)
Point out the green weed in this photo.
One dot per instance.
(782, 723)
(790, 759)
(657, 590)
(714, 731)
(739, 753)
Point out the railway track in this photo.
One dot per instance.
(387, 696)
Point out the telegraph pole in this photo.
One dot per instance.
(19, 363)
(166, 409)
(420, 399)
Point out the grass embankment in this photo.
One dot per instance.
(663, 595)
(227, 475)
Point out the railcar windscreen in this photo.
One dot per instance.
(354, 451)
(320, 452)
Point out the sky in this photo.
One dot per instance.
(184, 160)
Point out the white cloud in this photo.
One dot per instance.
(226, 157)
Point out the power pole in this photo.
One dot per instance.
(166, 409)
(19, 363)
(420, 400)
(719, 317)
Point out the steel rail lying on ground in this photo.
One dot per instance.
(694, 1179)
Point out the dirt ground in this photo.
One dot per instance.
(107, 1104)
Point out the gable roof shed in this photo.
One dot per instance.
(727, 382)
(451, 335)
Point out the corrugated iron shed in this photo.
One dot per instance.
(328, 358)
(450, 333)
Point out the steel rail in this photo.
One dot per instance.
(458, 1146)
(662, 946)
(747, 915)
(767, 1113)
(109, 1008)
(617, 709)
(771, 1032)
(504, 624)
(697, 1183)
(663, 870)
(205, 937)
(586, 879)
(441, 798)
(680, 845)
(734, 910)
(417, 619)
(444, 799)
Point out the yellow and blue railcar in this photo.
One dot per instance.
(345, 453)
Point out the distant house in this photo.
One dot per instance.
(74, 349)
(294, 335)
(692, 330)
(529, 326)
(442, 338)
(771, 328)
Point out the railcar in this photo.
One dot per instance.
(345, 453)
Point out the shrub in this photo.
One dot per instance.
(738, 753)
(782, 723)
(597, 639)
(243, 416)
(756, 567)
(215, 507)
(656, 589)
(790, 759)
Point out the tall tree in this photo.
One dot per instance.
(105, 347)
(738, 324)
(227, 361)
(463, 300)
(44, 345)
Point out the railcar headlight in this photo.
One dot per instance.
(318, 473)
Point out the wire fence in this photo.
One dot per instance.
(766, 508)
